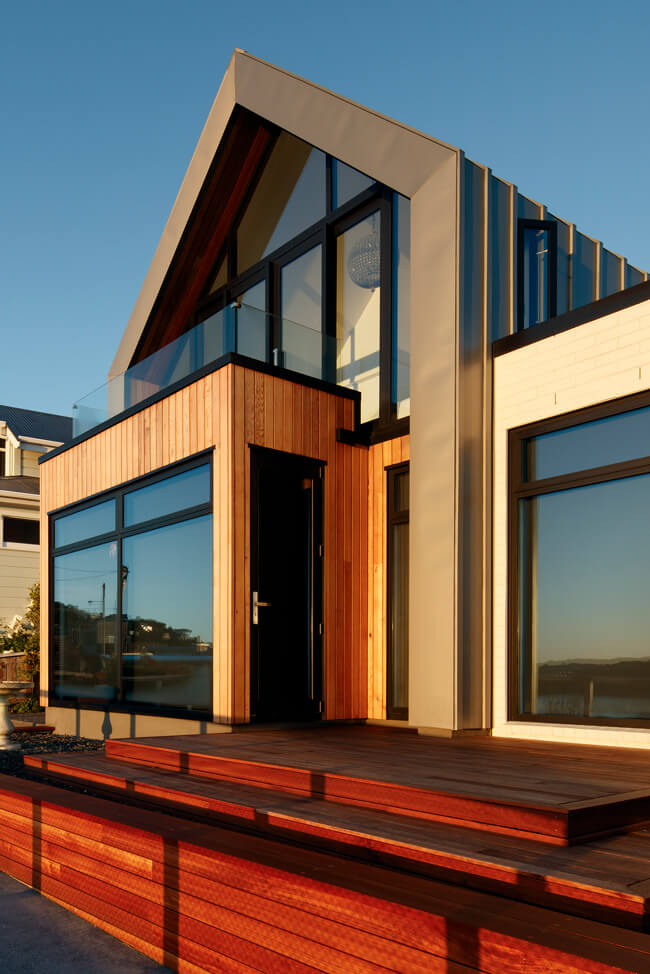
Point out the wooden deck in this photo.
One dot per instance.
(316, 850)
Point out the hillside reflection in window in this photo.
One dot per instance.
(167, 609)
(584, 611)
(84, 618)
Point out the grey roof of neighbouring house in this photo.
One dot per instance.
(38, 426)
(20, 485)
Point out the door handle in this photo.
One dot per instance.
(256, 605)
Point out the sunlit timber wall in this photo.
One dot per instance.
(227, 411)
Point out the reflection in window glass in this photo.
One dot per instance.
(584, 270)
(84, 623)
(301, 312)
(347, 183)
(584, 612)
(167, 607)
(399, 616)
(633, 276)
(220, 278)
(358, 293)
(176, 493)
(289, 198)
(613, 439)
(251, 323)
(401, 303)
(535, 275)
(610, 273)
(88, 523)
(563, 265)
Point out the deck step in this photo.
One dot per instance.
(562, 822)
(188, 894)
(516, 868)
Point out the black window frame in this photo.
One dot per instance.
(120, 532)
(519, 488)
(393, 517)
(550, 227)
(324, 231)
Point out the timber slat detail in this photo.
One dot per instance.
(601, 890)
(216, 900)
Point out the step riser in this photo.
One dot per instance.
(602, 905)
(545, 825)
(292, 923)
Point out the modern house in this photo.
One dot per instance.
(374, 447)
(25, 435)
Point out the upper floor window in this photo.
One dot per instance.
(314, 276)
(3, 456)
(536, 272)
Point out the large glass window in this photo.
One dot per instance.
(167, 612)
(158, 582)
(84, 621)
(301, 300)
(581, 613)
(358, 297)
(278, 294)
(537, 270)
(398, 592)
(401, 304)
(291, 196)
(87, 523)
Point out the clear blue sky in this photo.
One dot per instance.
(102, 105)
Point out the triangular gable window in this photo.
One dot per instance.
(290, 196)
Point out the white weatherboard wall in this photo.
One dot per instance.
(596, 362)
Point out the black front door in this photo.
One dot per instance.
(286, 586)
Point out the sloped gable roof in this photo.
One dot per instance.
(390, 152)
(37, 425)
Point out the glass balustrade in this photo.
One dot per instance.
(236, 328)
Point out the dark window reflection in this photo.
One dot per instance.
(584, 611)
(187, 489)
(167, 607)
(535, 276)
(88, 523)
(347, 183)
(399, 615)
(84, 623)
(290, 196)
(613, 439)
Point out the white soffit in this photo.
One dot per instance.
(392, 153)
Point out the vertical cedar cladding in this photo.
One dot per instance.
(235, 166)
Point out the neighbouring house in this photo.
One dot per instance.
(375, 445)
(25, 435)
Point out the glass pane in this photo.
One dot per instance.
(563, 264)
(613, 439)
(584, 620)
(187, 489)
(221, 276)
(633, 276)
(20, 530)
(84, 624)
(289, 198)
(301, 310)
(167, 607)
(499, 255)
(610, 273)
(526, 209)
(347, 183)
(401, 303)
(251, 325)
(358, 293)
(88, 523)
(584, 271)
(399, 616)
(535, 276)
(401, 491)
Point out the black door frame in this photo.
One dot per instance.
(315, 469)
